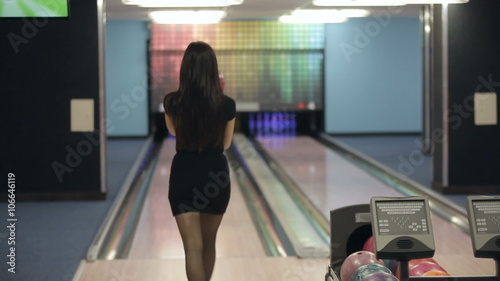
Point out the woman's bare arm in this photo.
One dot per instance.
(170, 125)
(228, 134)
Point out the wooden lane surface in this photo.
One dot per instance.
(331, 182)
(157, 236)
(226, 269)
(325, 177)
(157, 253)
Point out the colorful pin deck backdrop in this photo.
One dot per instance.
(277, 65)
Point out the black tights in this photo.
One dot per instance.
(198, 232)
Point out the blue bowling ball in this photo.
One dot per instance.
(367, 269)
(380, 276)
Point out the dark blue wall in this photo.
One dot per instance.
(474, 66)
(44, 64)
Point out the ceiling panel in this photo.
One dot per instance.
(249, 10)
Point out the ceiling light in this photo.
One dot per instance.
(367, 3)
(296, 19)
(323, 16)
(313, 16)
(436, 1)
(354, 13)
(182, 3)
(187, 17)
(348, 13)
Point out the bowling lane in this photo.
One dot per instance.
(328, 179)
(330, 182)
(157, 236)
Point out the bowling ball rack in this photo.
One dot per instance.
(350, 227)
(333, 274)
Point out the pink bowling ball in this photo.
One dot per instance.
(369, 245)
(355, 261)
(423, 267)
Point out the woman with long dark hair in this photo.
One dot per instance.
(202, 119)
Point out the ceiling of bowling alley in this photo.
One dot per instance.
(249, 10)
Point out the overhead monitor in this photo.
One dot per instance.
(402, 227)
(29, 8)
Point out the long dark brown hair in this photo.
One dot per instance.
(196, 107)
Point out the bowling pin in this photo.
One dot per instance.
(294, 125)
(259, 124)
(251, 123)
(267, 123)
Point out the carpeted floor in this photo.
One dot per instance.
(53, 237)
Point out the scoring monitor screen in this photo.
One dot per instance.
(487, 216)
(402, 217)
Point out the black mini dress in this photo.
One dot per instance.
(199, 181)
